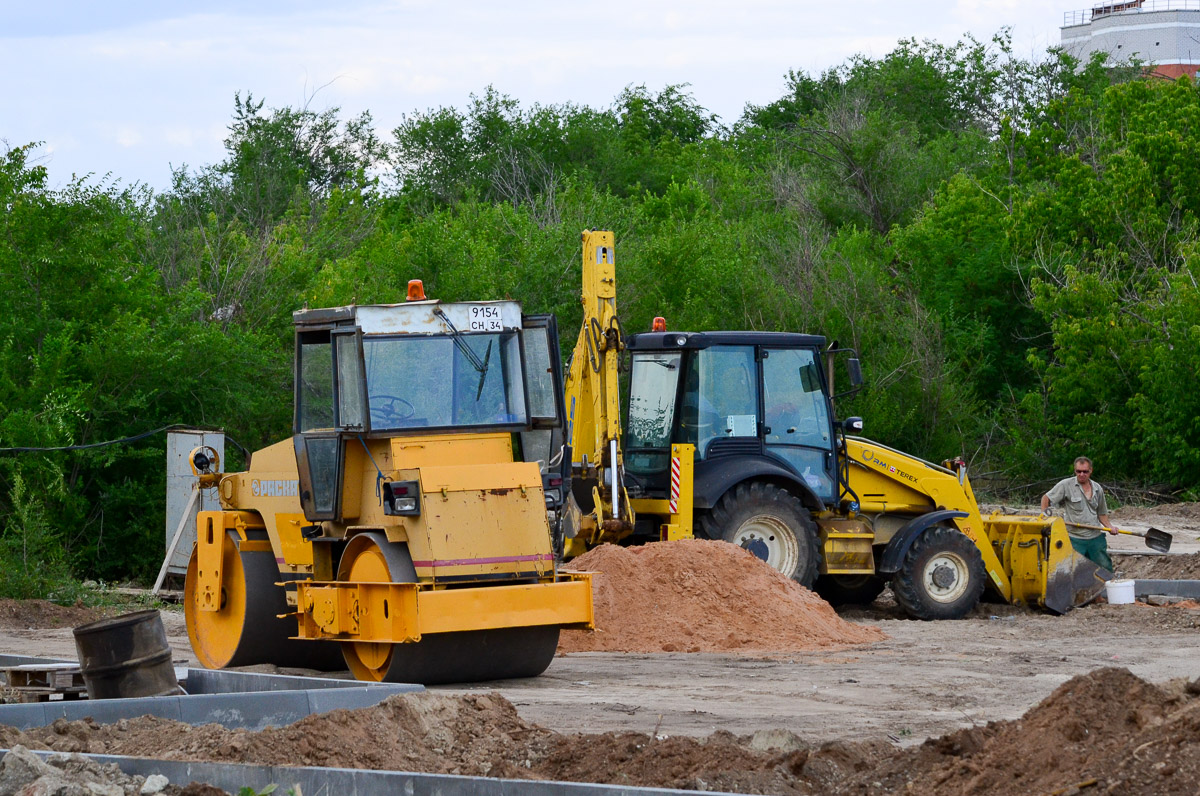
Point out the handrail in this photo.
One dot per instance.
(1127, 7)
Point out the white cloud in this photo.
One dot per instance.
(128, 137)
(110, 85)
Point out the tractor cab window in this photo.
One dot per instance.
(653, 383)
(314, 382)
(437, 381)
(720, 396)
(797, 427)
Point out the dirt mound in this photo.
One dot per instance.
(1089, 729)
(697, 595)
(1188, 514)
(23, 614)
(722, 762)
(473, 735)
(1159, 567)
(1108, 728)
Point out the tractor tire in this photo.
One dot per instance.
(941, 577)
(849, 589)
(772, 524)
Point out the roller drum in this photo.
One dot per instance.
(248, 629)
(461, 657)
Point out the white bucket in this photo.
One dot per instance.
(1119, 592)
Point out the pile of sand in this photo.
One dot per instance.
(702, 596)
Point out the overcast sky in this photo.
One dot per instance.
(132, 87)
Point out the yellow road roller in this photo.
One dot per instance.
(403, 530)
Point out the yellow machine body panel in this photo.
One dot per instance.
(481, 520)
(482, 513)
(846, 546)
(450, 449)
(404, 612)
(889, 481)
(270, 487)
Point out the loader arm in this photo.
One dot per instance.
(593, 401)
(1028, 559)
(889, 481)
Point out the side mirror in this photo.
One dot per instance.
(853, 425)
(854, 368)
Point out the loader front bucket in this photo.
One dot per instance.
(1042, 566)
(1072, 581)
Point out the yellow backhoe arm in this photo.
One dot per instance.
(592, 399)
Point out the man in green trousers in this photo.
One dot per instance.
(1081, 501)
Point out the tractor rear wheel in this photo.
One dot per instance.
(849, 589)
(770, 523)
(460, 657)
(941, 577)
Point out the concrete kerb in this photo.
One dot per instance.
(314, 781)
(1172, 588)
(245, 700)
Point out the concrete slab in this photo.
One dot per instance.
(233, 777)
(1171, 588)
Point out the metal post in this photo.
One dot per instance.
(183, 520)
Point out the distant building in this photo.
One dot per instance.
(1162, 34)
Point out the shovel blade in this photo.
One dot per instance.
(1159, 540)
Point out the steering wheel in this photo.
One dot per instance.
(390, 408)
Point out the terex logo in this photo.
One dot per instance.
(889, 468)
(275, 488)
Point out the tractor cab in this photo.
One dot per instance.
(469, 370)
(745, 400)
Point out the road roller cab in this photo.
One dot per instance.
(406, 519)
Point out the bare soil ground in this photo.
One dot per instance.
(1106, 730)
(1007, 700)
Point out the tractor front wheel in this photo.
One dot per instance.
(942, 576)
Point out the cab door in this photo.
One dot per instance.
(797, 422)
(330, 416)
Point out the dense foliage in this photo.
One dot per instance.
(1011, 245)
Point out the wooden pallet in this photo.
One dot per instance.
(43, 682)
(23, 695)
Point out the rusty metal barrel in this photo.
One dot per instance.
(126, 656)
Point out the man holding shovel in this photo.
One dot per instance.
(1082, 502)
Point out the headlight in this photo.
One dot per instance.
(402, 498)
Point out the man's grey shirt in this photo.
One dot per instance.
(1076, 507)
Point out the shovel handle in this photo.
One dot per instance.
(1102, 528)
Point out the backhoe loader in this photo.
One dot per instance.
(402, 531)
(733, 435)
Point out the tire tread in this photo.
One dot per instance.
(762, 494)
(908, 592)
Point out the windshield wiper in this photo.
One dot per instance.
(480, 365)
(455, 335)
